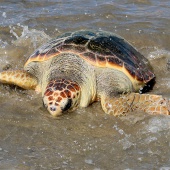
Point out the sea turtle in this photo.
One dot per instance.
(78, 68)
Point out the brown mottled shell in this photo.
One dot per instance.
(101, 49)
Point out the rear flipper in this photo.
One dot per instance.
(20, 78)
(151, 104)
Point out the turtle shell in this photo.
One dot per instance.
(101, 49)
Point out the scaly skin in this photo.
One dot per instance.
(151, 104)
(61, 95)
(20, 78)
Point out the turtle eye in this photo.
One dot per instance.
(68, 105)
(28, 70)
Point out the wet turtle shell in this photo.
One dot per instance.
(101, 49)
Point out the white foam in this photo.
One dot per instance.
(158, 53)
(4, 14)
(157, 124)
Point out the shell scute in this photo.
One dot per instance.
(139, 76)
(53, 51)
(131, 71)
(100, 58)
(90, 57)
(78, 40)
(101, 49)
(113, 60)
(99, 45)
(71, 48)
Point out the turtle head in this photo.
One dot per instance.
(60, 96)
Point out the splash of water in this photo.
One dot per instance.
(159, 53)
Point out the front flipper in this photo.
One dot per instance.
(151, 104)
(20, 78)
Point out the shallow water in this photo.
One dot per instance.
(86, 138)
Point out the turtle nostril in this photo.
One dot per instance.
(52, 108)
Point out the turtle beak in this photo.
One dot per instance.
(57, 109)
(52, 108)
(54, 111)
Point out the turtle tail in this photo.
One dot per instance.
(20, 78)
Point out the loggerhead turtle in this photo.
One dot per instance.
(78, 68)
